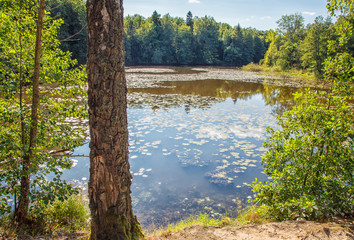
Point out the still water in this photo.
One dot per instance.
(195, 146)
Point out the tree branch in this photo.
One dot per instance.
(68, 38)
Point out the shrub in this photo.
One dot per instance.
(71, 214)
(310, 160)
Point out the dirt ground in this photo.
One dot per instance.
(284, 230)
(290, 230)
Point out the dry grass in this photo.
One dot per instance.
(276, 71)
(249, 215)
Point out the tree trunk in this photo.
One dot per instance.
(110, 178)
(22, 209)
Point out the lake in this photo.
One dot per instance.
(196, 138)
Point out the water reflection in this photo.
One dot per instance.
(195, 146)
(209, 92)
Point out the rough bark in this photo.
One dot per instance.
(22, 209)
(110, 178)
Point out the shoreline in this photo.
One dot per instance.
(150, 76)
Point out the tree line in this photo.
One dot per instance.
(177, 41)
(165, 40)
(170, 40)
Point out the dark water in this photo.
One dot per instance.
(195, 146)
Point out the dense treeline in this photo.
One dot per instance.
(192, 41)
(166, 40)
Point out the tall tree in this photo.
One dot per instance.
(156, 18)
(207, 38)
(291, 26)
(190, 21)
(314, 47)
(110, 179)
(34, 125)
(21, 211)
(168, 33)
(183, 45)
(248, 50)
(259, 49)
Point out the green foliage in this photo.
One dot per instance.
(272, 55)
(259, 49)
(291, 27)
(206, 31)
(64, 216)
(253, 215)
(314, 47)
(195, 41)
(183, 44)
(73, 32)
(71, 214)
(201, 219)
(294, 47)
(310, 158)
(61, 99)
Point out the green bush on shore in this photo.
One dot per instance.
(70, 215)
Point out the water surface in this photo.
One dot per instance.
(195, 146)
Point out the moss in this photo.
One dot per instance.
(119, 227)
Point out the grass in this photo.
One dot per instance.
(276, 71)
(70, 219)
(60, 217)
(254, 215)
(249, 215)
(69, 215)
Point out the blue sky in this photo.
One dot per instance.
(259, 14)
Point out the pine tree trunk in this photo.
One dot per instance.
(22, 209)
(110, 178)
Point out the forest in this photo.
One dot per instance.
(202, 41)
(44, 80)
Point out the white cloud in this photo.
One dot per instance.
(309, 13)
(250, 19)
(265, 18)
(193, 1)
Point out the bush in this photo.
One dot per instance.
(252, 67)
(310, 160)
(71, 214)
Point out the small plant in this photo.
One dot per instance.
(254, 215)
(202, 219)
(252, 67)
(65, 216)
(72, 213)
(68, 215)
